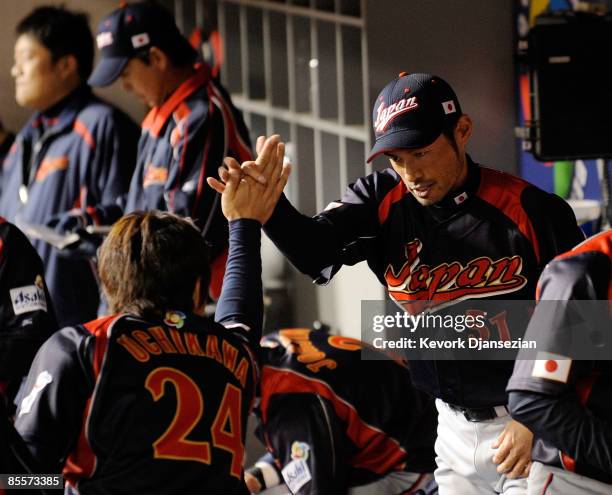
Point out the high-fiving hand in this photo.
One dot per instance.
(242, 196)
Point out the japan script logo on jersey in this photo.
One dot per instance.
(387, 114)
(29, 298)
(446, 282)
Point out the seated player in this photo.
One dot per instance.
(565, 402)
(27, 318)
(338, 422)
(154, 399)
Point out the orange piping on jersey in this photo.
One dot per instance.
(81, 129)
(393, 196)
(504, 192)
(378, 452)
(158, 116)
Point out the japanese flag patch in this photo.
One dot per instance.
(551, 367)
(139, 40)
(449, 107)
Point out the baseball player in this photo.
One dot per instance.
(334, 420)
(436, 226)
(565, 402)
(155, 398)
(191, 127)
(27, 318)
(74, 155)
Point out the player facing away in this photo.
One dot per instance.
(434, 211)
(339, 418)
(155, 397)
(191, 127)
(566, 402)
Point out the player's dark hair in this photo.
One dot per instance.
(150, 262)
(449, 131)
(63, 33)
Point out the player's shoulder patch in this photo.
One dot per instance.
(296, 474)
(551, 366)
(29, 298)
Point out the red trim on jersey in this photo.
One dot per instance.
(378, 452)
(158, 116)
(81, 129)
(81, 462)
(417, 485)
(547, 484)
(504, 192)
(234, 141)
(196, 202)
(393, 196)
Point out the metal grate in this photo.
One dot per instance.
(298, 68)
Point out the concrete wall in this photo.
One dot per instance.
(13, 11)
(469, 43)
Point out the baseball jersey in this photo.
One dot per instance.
(183, 142)
(27, 318)
(127, 405)
(566, 403)
(78, 154)
(490, 239)
(334, 420)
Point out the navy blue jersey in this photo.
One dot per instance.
(134, 406)
(350, 420)
(77, 155)
(27, 318)
(565, 402)
(183, 142)
(490, 239)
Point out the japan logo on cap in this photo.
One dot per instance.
(140, 40)
(551, 367)
(105, 38)
(449, 107)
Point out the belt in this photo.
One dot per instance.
(475, 414)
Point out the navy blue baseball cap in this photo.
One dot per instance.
(412, 111)
(130, 30)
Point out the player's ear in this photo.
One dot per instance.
(158, 58)
(199, 298)
(463, 129)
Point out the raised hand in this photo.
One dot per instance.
(243, 196)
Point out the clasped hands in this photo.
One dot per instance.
(251, 190)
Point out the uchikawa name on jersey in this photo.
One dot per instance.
(142, 344)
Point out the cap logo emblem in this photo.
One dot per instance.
(449, 107)
(385, 115)
(104, 39)
(140, 40)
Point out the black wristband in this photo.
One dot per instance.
(258, 475)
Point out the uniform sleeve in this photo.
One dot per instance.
(27, 318)
(240, 306)
(554, 324)
(341, 235)
(566, 424)
(544, 398)
(306, 437)
(51, 408)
